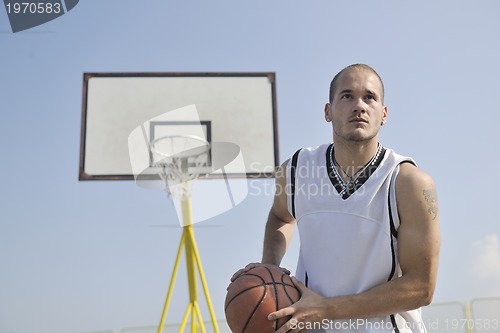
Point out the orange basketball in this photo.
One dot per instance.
(254, 295)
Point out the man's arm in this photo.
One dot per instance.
(418, 250)
(279, 227)
(280, 223)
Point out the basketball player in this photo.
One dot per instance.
(367, 220)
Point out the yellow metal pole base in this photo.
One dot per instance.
(193, 262)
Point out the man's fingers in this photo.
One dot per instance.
(281, 313)
(289, 327)
(243, 270)
(235, 275)
(238, 273)
(253, 265)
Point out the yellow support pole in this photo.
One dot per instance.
(193, 262)
(468, 317)
(187, 220)
(186, 316)
(172, 283)
(204, 282)
(198, 314)
(191, 269)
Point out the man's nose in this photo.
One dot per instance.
(359, 106)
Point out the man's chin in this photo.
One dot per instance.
(359, 136)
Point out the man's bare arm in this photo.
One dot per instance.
(280, 223)
(279, 227)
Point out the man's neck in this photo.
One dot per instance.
(352, 156)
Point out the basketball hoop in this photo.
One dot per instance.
(179, 159)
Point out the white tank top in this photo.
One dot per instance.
(348, 236)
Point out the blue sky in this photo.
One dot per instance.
(82, 256)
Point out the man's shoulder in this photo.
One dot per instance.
(311, 150)
(410, 176)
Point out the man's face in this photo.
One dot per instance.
(357, 110)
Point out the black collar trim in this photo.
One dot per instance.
(339, 185)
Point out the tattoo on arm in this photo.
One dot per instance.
(430, 196)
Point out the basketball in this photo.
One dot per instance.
(254, 295)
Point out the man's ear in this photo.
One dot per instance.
(328, 117)
(385, 111)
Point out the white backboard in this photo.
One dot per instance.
(237, 108)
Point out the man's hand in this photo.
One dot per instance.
(253, 265)
(309, 309)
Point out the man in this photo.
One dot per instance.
(367, 220)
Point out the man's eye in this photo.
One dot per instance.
(370, 97)
(346, 96)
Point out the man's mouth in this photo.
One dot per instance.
(358, 120)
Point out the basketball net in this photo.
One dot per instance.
(179, 160)
(173, 188)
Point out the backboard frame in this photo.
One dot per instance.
(85, 175)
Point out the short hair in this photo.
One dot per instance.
(333, 84)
